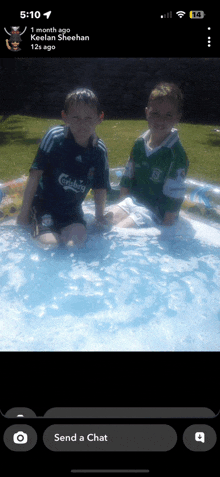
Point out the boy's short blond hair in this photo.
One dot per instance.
(82, 95)
(167, 91)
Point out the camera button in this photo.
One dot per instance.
(20, 437)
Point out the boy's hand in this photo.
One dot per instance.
(101, 223)
(169, 218)
(124, 192)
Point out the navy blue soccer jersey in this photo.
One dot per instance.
(69, 171)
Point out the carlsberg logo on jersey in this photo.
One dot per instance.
(76, 186)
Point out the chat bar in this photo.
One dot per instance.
(109, 438)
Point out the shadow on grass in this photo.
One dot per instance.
(211, 138)
(18, 137)
(15, 131)
(214, 142)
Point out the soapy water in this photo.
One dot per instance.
(149, 289)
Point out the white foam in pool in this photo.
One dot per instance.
(149, 289)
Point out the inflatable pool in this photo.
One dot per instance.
(149, 289)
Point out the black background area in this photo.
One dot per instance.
(43, 380)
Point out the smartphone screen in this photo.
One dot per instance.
(110, 352)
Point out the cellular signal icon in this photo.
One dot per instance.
(181, 14)
(166, 15)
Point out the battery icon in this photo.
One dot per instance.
(196, 14)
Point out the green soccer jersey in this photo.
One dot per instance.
(155, 177)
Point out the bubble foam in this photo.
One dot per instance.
(130, 290)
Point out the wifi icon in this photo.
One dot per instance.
(181, 14)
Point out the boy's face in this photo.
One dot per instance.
(82, 120)
(162, 115)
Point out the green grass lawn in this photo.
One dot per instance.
(20, 136)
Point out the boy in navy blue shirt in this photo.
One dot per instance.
(71, 159)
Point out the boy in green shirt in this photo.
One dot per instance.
(152, 186)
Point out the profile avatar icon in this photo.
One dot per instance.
(15, 38)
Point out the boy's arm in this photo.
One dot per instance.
(31, 187)
(127, 178)
(100, 199)
(174, 187)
